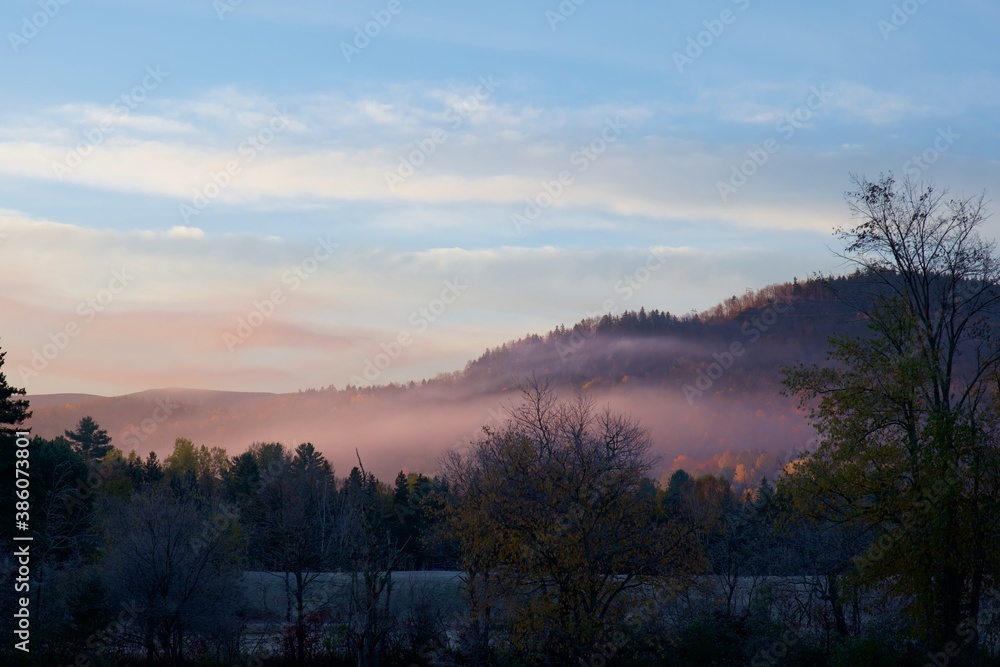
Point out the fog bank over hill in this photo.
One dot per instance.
(703, 385)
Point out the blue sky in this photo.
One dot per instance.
(208, 147)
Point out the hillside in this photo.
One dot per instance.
(780, 324)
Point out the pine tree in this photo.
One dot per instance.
(90, 439)
(152, 470)
(13, 411)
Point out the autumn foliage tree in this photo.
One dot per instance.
(555, 511)
(907, 416)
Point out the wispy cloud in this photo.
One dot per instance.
(861, 102)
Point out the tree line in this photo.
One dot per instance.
(567, 549)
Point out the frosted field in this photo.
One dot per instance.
(425, 596)
(438, 590)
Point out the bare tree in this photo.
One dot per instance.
(371, 555)
(297, 532)
(185, 580)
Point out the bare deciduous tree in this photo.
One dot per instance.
(184, 580)
(371, 556)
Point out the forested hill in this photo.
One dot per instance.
(778, 325)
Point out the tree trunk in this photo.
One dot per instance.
(300, 628)
(836, 604)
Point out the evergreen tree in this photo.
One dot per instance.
(13, 413)
(13, 410)
(90, 439)
(152, 470)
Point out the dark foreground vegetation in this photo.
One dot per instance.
(546, 540)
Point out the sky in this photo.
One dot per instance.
(264, 196)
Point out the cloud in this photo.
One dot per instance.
(458, 146)
(181, 232)
(860, 102)
(657, 178)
